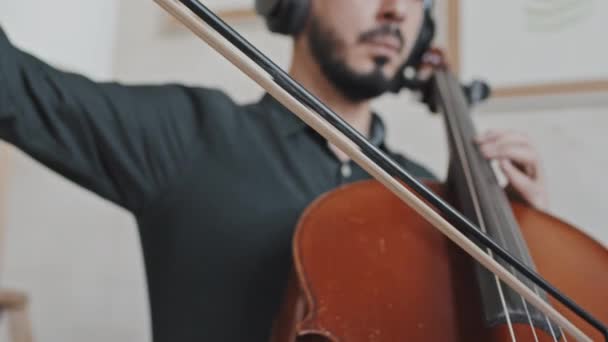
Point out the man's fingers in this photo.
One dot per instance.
(482, 137)
(524, 185)
(497, 136)
(519, 162)
(523, 155)
(487, 136)
(517, 178)
(509, 145)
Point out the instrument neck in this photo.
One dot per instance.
(483, 201)
(472, 174)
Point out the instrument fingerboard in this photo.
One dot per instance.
(484, 202)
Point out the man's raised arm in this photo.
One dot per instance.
(125, 143)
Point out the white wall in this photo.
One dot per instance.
(79, 257)
(76, 35)
(76, 256)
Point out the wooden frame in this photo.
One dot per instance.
(454, 56)
(234, 15)
(14, 305)
(237, 14)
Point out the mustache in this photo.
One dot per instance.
(384, 30)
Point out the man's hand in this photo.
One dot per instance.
(520, 163)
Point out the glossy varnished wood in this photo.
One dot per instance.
(367, 268)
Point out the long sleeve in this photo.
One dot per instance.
(125, 143)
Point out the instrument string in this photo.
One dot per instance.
(502, 210)
(461, 152)
(519, 244)
(477, 190)
(531, 322)
(500, 214)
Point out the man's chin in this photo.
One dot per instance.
(375, 69)
(363, 86)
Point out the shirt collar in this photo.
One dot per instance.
(288, 124)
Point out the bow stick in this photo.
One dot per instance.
(281, 92)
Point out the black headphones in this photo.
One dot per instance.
(289, 17)
(284, 16)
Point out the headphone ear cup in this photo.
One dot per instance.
(423, 42)
(422, 45)
(266, 7)
(284, 16)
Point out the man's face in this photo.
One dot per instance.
(361, 44)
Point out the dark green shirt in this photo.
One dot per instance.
(216, 187)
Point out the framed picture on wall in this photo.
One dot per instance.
(530, 47)
(229, 10)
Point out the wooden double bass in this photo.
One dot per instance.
(368, 268)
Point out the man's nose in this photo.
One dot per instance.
(393, 10)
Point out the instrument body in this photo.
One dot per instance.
(368, 268)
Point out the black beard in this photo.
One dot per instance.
(353, 85)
